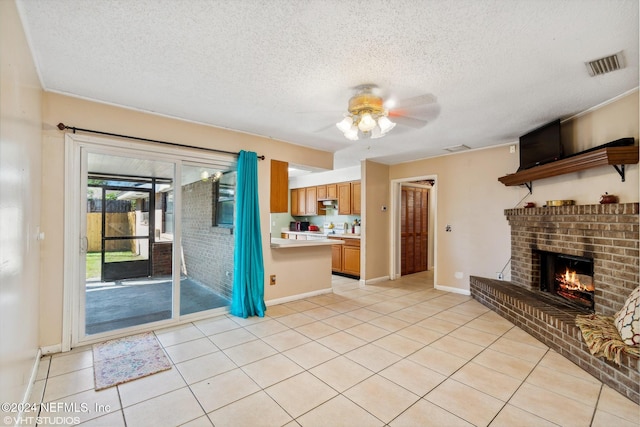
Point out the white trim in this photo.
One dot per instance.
(396, 195)
(32, 379)
(297, 297)
(51, 349)
(452, 290)
(374, 280)
(601, 105)
(75, 182)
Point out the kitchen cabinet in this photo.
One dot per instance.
(321, 192)
(332, 191)
(344, 198)
(336, 258)
(327, 192)
(345, 258)
(302, 201)
(355, 198)
(311, 207)
(349, 198)
(306, 201)
(295, 206)
(279, 186)
(351, 260)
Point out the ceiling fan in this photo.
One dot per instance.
(369, 117)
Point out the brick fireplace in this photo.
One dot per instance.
(608, 235)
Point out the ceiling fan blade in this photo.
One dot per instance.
(415, 101)
(408, 121)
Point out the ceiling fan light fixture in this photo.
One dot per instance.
(385, 124)
(366, 123)
(345, 124)
(352, 133)
(376, 133)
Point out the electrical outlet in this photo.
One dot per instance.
(512, 149)
(272, 279)
(499, 275)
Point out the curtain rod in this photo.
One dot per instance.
(62, 126)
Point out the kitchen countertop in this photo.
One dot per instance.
(320, 233)
(278, 243)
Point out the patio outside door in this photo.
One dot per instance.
(128, 242)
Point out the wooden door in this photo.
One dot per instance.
(355, 198)
(302, 201)
(344, 198)
(351, 260)
(414, 226)
(321, 192)
(332, 191)
(294, 202)
(312, 201)
(336, 258)
(279, 186)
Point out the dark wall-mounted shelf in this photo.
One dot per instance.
(609, 156)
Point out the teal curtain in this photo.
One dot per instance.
(248, 270)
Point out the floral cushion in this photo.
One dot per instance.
(627, 320)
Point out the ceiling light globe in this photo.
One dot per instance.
(385, 124)
(352, 133)
(345, 124)
(367, 123)
(376, 133)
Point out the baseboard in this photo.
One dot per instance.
(452, 290)
(375, 280)
(32, 380)
(51, 349)
(297, 297)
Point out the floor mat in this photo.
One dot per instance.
(126, 359)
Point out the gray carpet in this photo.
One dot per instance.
(129, 303)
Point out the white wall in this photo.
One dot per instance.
(20, 188)
(329, 177)
(472, 200)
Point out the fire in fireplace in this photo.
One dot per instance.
(568, 277)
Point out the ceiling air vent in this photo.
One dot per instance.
(605, 65)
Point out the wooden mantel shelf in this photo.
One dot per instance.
(609, 156)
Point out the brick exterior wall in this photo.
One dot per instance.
(552, 321)
(162, 259)
(207, 250)
(607, 233)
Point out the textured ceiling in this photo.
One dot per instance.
(285, 69)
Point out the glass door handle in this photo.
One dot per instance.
(84, 244)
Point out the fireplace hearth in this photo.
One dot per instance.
(568, 277)
(608, 236)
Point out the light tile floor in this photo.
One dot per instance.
(398, 353)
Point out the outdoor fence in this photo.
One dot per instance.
(118, 224)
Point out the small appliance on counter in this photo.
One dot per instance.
(299, 226)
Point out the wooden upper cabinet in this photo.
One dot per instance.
(302, 201)
(279, 186)
(321, 192)
(332, 191)
(312, 201)
(355, 198)
(294, 202)
(344, 198)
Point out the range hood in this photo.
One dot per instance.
(329, 204)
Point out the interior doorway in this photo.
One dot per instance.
(414, 229)
(413, 225)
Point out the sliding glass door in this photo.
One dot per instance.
(128, 258)
(155, 237)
